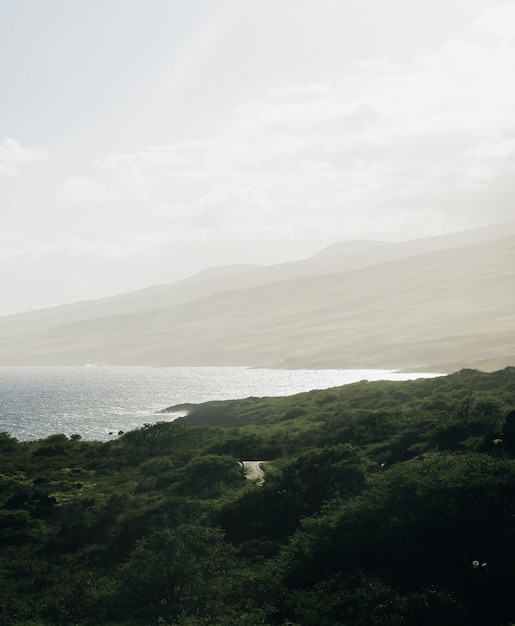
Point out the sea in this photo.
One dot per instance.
(99, 403)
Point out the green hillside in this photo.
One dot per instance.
(383, 504)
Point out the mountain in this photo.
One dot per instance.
(339, 257)
(442, 309)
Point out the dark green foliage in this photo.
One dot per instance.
(421, 526)
(208, 476)
(384, 504)
(508, 433)
(321, 475)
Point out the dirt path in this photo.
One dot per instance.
(254, 470)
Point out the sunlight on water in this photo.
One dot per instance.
(98, 402)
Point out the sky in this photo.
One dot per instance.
(142, 141)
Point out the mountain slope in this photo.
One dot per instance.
(339, 257)
(446, 307)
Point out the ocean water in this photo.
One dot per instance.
(98, 402)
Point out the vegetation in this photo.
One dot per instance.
(384, 504)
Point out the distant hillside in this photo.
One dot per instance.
(339, 257)
(440, 310)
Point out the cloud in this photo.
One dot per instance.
(496, 21)
(125, 186)
(78, 190)
(14, 157)
(20, 249)
(382, 148)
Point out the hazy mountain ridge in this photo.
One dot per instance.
(453, 307)
(338, 257)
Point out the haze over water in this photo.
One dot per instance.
(98, 402)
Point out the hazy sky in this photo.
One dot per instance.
(143, 140)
